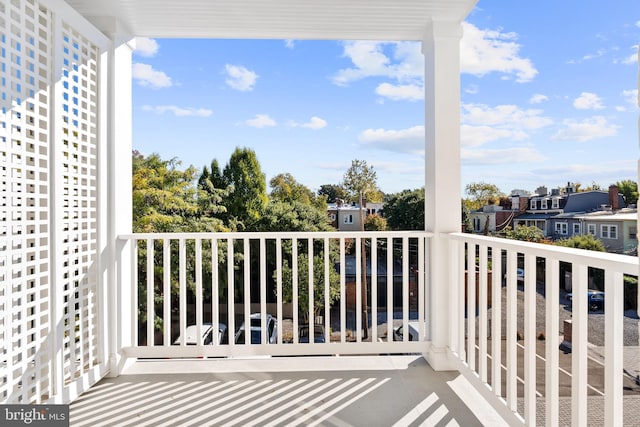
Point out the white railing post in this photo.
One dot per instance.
(441, 48)
(116, 133)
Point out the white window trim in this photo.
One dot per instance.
(532, 204)
(611, 229)
(591, 229)
(348, 219)
(562, 228)
(555, 203)
(576, 228)
(544, 204)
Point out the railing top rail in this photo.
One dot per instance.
(624, 263)
(274, 235)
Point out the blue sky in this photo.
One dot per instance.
(549, 95)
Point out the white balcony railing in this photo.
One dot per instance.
(223, 278)
(528, 345)
(524, 346)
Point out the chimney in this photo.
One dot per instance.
(613, 197)
(524, 205)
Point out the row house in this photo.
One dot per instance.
(617, 230)
(544, 208)
(346, 217)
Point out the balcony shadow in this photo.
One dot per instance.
(387, 391)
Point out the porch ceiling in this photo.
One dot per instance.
(278, 19)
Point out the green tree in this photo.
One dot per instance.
(164, 197)
(293, 216)
(405, 210)
(332, 192)
(584, 241)
(525, 233)
(286, 189)
(481, 194)
(375, 222)
(248, 185)
(303, 281)
(629, 189)
(360, 180)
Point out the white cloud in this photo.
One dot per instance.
(146, 76)
(289, 44)
(588, 101)
(501, 156)
(482, 123)
(510, 116)
(239, 78)
(314, 123)
(474, 136)
(260, 121)
(481, 52)
(538, 98)
(178, 111)
(146, 47)
(401, 92)
(633, 57)
(471, 89)
(401, 61)
(409, 140)
(586, 130)
(631, 97)
(597, 54)
(486, 51)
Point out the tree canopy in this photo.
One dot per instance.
(165, 198)
(333, 192)
(286, 189)
(405, 210)
(584, 241)
(525, 233)
(629, 189)
(481, 194)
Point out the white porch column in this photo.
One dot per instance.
(116, 133)
(441, 47)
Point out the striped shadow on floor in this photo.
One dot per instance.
(400, 395)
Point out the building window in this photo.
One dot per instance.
(609, 231)
(555, 203)
(561, 227)
(633, 233)
(532, 204)
(576, 228)
(544, 204)
(591, 229)
(348, 219)
(333, 217)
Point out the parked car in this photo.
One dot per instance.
(207, 334)
(255, 330)
(519, 275)
(595, 300)
(318, 334)
(398, 333)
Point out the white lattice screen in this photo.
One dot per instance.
(48, 184)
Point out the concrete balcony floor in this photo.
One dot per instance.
(326, 391)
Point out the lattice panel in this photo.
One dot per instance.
(80, 225)
(24, 210)
(35, 153)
